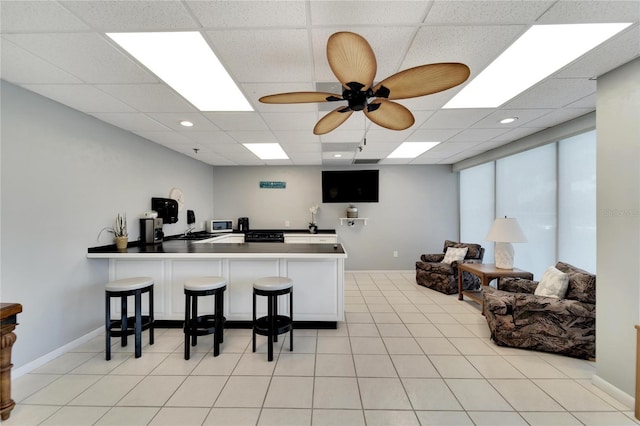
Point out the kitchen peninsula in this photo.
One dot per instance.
(317, 271)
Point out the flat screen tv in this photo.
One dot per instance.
(350, 186)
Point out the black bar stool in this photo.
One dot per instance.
(195, 325)
(273, 324)
(126, 326)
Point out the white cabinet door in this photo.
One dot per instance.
(310, 238)
(324, 239)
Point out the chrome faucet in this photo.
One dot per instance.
(189, 231)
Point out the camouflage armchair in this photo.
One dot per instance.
(520, 319)
(443, 277)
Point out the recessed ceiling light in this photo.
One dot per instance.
(411, 149)
(337, 155)
(185, 62)
(508, 120)
(186, 123)
(538, 53)
(267, 151)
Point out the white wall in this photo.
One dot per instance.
(418, 209)
(618, 224)
(65, 175)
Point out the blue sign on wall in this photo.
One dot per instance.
(272, 184)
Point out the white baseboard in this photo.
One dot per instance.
(613, 391)
(36, 363)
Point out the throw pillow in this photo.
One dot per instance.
(455, 254)
(554, 284)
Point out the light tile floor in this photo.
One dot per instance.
(405, 355)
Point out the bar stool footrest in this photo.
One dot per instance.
(203, 325)
(282, 325)
(115, 328)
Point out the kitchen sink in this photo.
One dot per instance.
(195, 236)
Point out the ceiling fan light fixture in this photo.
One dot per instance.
(185, 62)
(538, 53)
(267, 151)
(412, 149)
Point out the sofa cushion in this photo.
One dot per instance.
(455, 254)
(552, 284)
(473, 251)
(582, 284)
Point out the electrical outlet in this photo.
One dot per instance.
(287, 223)
(201, 225)
(395, 253)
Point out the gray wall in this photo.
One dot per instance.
(618, 224)
(66, 175)
(418, 209)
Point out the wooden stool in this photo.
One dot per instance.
(126, 326)
(195, 325)
(273, 324)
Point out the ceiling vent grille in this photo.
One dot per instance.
(366, 161)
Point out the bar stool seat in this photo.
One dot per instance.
(126, 326)
(199, 325)
(272, 324)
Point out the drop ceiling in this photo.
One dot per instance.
(59, 50)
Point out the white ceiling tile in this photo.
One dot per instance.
(20, 66)
(101, 62)
(377, 13)
(291, 120)
(477, 135)
(279, 55)
(81, 97)
(139, 15)
(245, 136)
(553, 93)
(172, 120)
(524, 116)
(475, 46)
(133, 121)
(237, 120)
(585, 11)
(148, 97)
(294, 137)
(37, 16)
(588, 102)
(486, 12)
(455, 118)
(210, 138)
(559, 116)
(237, 14)
(301, 147)
(168, 138)
(432, 135)
(514, 135)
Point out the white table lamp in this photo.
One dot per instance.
(505, 231)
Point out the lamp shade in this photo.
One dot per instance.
(506, 230)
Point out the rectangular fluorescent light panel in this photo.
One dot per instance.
(411, 149)
(267, 151)
(185, 62)
(538, 53)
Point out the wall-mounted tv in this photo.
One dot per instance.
(350, 186)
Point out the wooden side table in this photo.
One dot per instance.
(486, 272)
(8, 314)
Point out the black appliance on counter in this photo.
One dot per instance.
(167, 209)
(263, 237)
(151, 230)
(243, 224)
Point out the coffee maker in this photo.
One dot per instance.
(151, 230)
(243, 224)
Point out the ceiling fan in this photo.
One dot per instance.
(354, 64)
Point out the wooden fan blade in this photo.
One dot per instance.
(331, 121)
(390, 115)
(424, 80)
(351, 59)
(299, 98)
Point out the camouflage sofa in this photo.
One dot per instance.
(443, 277)
(520, 319)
